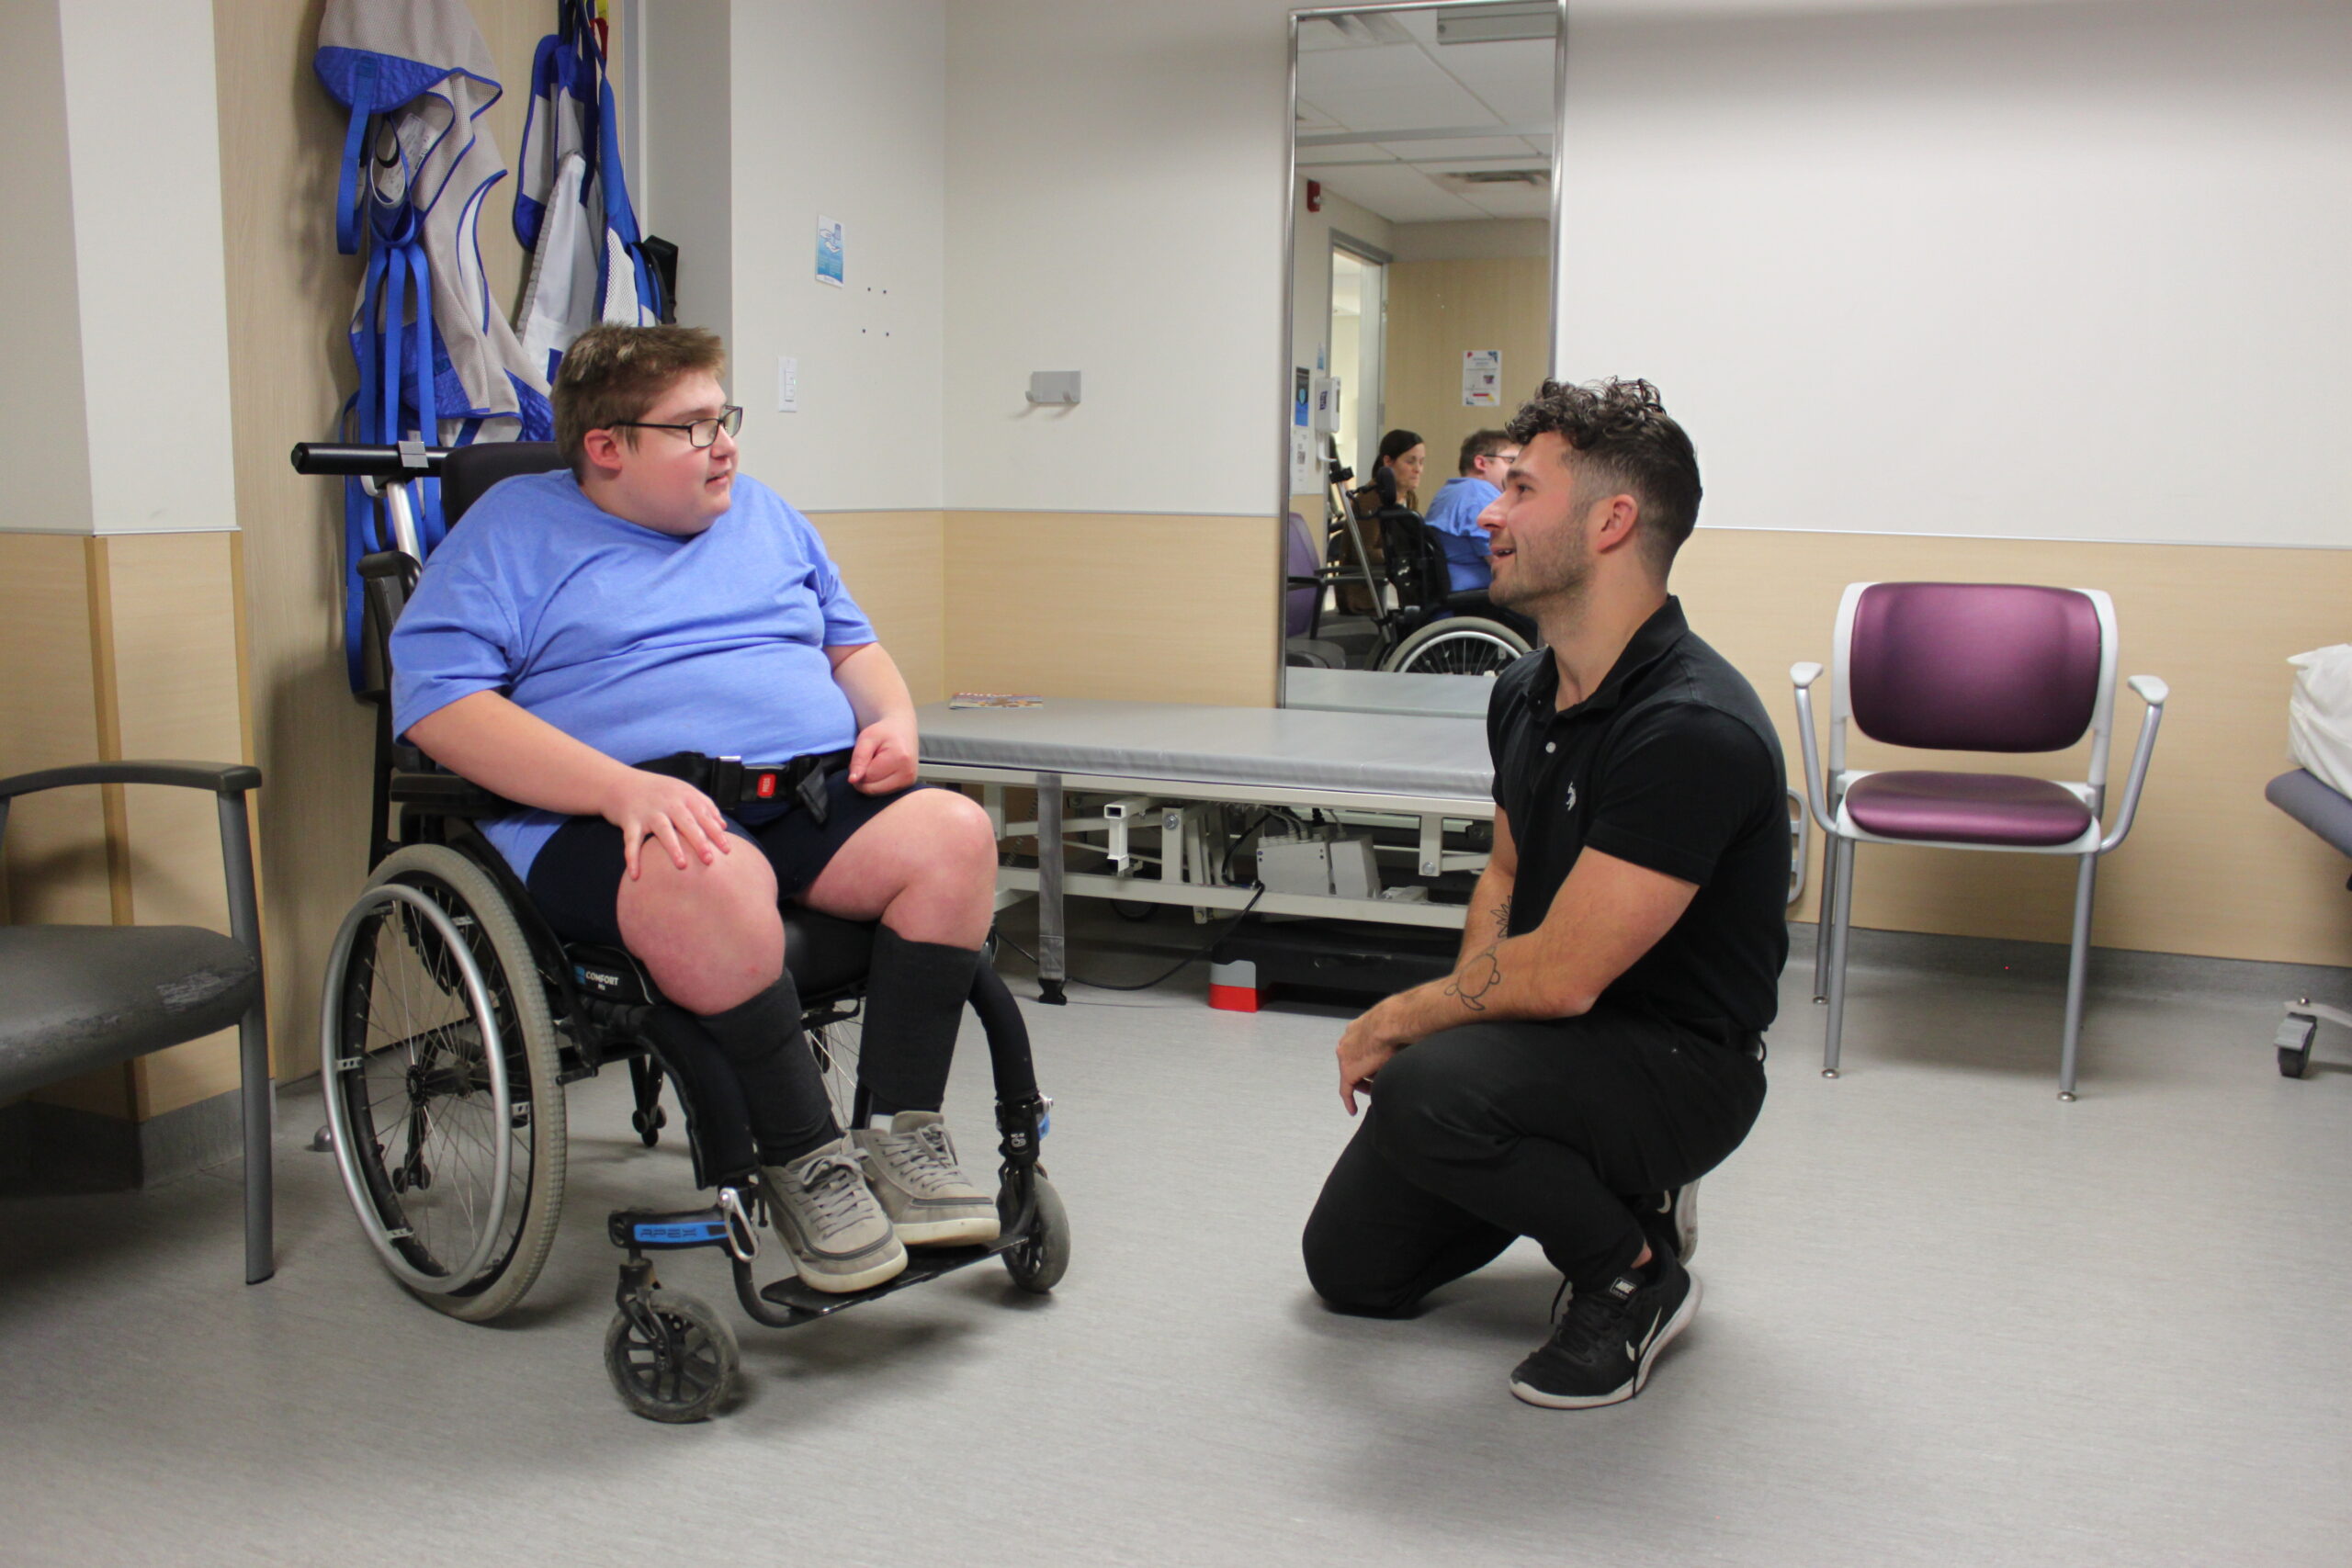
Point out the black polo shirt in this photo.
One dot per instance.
(1671, 764)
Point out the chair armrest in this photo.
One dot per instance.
(2154, 693)
(230, 782)
(221, 778)
(1815, 789)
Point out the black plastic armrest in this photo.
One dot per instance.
(219, 778)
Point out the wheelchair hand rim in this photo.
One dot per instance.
(495, 1055)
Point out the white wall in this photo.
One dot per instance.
(116, 336)
(1115, 207)
(839, 110)
(2059, 271)
(684, 186)
(42, 431)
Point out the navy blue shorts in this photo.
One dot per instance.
(576, 880)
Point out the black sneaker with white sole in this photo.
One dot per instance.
(1670, 1219)
(1603, 1345)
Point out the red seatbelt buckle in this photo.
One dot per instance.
(765, 788)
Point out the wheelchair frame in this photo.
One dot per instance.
(465, 923)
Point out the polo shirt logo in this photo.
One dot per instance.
(1571, 805)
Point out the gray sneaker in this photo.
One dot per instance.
(839, 1238)
(913, 1170)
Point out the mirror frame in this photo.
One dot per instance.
(1286, 380)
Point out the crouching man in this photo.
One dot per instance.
(1599, 1047)
(653, 602)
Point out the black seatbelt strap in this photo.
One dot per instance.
(732, 782)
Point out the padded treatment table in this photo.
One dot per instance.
(1377, 691)
(1433, 769)
(2302, 797)
(2310, 800)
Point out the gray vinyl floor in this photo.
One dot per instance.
(1948, 1320)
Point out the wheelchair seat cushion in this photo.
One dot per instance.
(84, 996)
(824, 954)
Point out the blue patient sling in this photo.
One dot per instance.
(438, 364)
(572, 209)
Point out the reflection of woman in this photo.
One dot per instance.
(1395, 476)
(1404, 454)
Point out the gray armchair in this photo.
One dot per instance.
(77, 997)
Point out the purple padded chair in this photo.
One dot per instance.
(1968, 667)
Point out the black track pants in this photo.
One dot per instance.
(1482, 1134)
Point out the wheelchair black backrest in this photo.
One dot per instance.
(1412, 558)
(468, 471)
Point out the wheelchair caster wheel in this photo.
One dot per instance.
(670, 1358)
(1041, 1259)
(649, 1124)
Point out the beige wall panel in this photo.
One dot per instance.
(895, 564)
(289, 298)
(1146, 607)
(2210, 868)
(56, 841)
(177, 695)
(56, 869)
(1437, 311)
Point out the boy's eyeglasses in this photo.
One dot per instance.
(700, 433)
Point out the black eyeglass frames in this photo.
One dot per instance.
(700, 433)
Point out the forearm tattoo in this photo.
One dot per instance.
(1484, 970)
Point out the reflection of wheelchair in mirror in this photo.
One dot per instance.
(453, 1016)
(1417, 624)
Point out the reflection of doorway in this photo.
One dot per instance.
(1359, 321)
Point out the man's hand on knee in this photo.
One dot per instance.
(1366, 1047)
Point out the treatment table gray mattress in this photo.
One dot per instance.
(1177, 743)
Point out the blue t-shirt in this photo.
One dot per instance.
(640, 643)
(1454, 515)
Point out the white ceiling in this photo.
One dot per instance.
(1393, 76)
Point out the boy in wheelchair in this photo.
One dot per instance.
(651, 605)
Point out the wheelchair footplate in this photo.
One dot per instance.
(672, 1358)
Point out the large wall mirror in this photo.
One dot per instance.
(1424, 218)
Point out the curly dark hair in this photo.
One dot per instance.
(1623, 438)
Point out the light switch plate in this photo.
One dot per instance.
(787, 385)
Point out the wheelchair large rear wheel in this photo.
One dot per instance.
(1458, 645)
(835, 1033)
(441, 1083)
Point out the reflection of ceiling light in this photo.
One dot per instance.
(1363, 31)
(1502, 177)
(1499, 24)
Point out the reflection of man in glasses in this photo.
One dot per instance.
(1486, 457)
(1600, 1046)
(653, 607)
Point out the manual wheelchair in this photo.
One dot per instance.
(453, 1017)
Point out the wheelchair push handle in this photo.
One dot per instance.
(339, 460)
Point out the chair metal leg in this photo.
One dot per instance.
(259, 1103)
(1830, 882)
(1841, 919)
(2077, 963)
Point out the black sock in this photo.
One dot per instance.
(915, 993)
(783, 1091)
(707, 1093)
